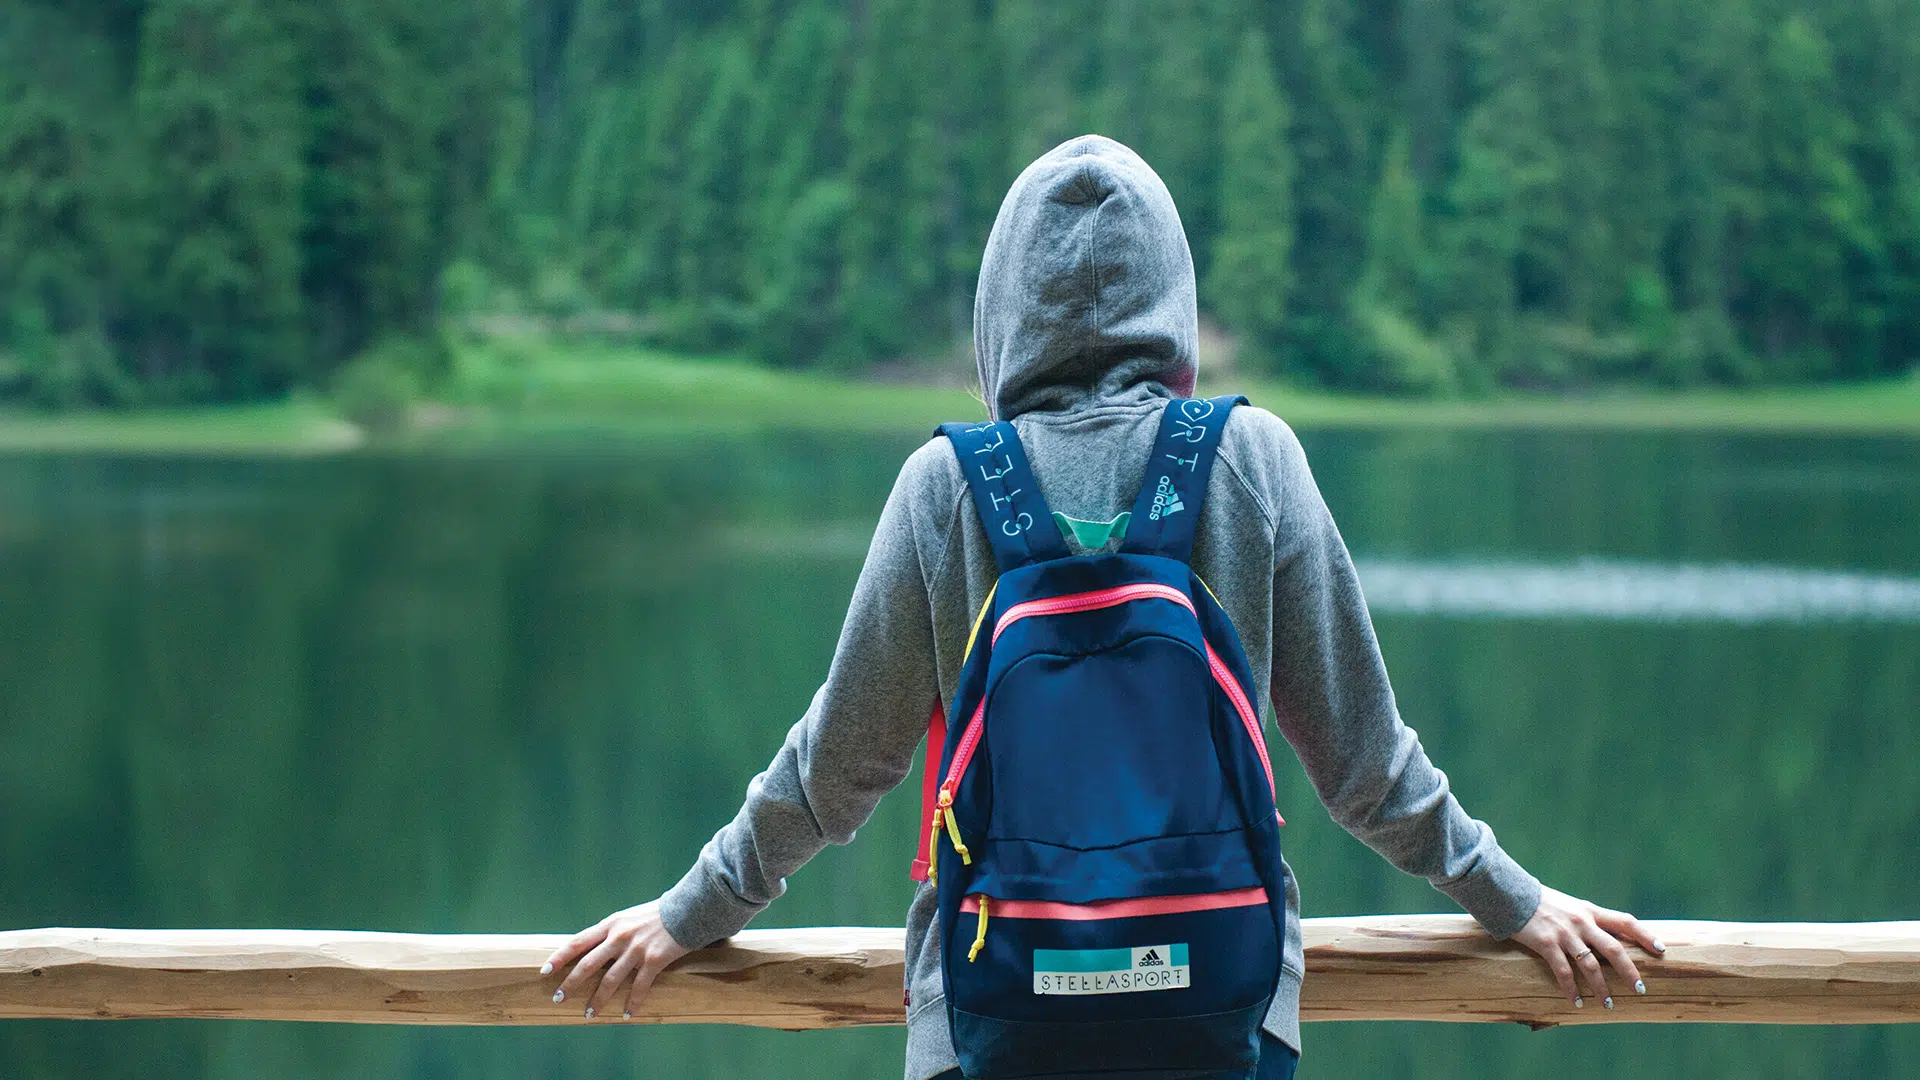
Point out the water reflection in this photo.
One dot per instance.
(1599, 589)
(1511, 588)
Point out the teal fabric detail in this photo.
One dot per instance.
(1093, 535)
(1082, 959)
(1059, 960)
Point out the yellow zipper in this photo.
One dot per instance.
(933, 850)
(980, 935)
(953, 827)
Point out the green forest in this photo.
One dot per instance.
(216, 200)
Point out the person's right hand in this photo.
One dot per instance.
(630, 944)
(1568, 932)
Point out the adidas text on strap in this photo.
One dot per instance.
(1168, 509)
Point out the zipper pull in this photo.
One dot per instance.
(953, 827)
(980, 935)
(933, 850)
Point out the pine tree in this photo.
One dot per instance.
(969, 138)
(234, 198)
(708, 265)
(1719, 82)
(393, 174)
(1389, 302)
(797, 319)
(880, 106)
(628, 215)
(1051, 71)
(66, 230)
(1248, 282)
(793, 134)
(1813, 216)
(602, 209)
(1333, 108)
(486, 135)
(1503, 164)
(1156, 90)
(217, 115)
(49, 251)
(374, 110)
(902, 148)
(1889, 297)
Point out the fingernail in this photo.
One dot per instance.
(628, 1015)
(559, 996)
(590, 1008)
(1659, 946)
(546, 969)
(1579, 1003)
(1609, 1001)
(1639, 986)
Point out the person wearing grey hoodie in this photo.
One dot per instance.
(1085, 325)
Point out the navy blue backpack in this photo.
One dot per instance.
(1103, 835)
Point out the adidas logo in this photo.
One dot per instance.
(1166, 500)
(1111, 971)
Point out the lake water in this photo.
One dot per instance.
(513, 691)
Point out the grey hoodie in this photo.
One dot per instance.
(1084, 325)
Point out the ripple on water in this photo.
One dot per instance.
(1607, 589)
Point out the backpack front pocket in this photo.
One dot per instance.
(1087, 982)
(1107, 749)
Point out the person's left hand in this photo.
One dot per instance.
(632, 943)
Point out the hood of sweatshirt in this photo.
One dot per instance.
(1086, 286)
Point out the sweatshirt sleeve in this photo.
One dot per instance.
(1336, 708)
(855, 743)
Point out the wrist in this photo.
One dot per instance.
(1500, 895)
(700, 910)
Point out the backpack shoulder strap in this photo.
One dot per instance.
(1171, 493)
(1019, 525)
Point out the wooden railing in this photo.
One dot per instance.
(1393, 967)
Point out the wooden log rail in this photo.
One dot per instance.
(1394, 967)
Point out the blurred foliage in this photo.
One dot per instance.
(1426, 196)
(376, 391)
(1250, 276)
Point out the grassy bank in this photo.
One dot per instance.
(1890, 407)
(634, 390)
(304, 426)
(518, 391)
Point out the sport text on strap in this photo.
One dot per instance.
(1018, 522)
(1171, 493)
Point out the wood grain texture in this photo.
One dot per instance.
(1389, 967)
(1442, 967)
(791, 979)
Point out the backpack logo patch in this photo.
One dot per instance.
(1166, 500)
(1110, 971)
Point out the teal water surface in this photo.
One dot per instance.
(513, 691)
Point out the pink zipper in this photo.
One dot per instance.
(1053, 605)
(1128, 908)
(1247, 718)
(969, 739)
(1089, 601)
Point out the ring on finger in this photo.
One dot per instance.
(1582, 955)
